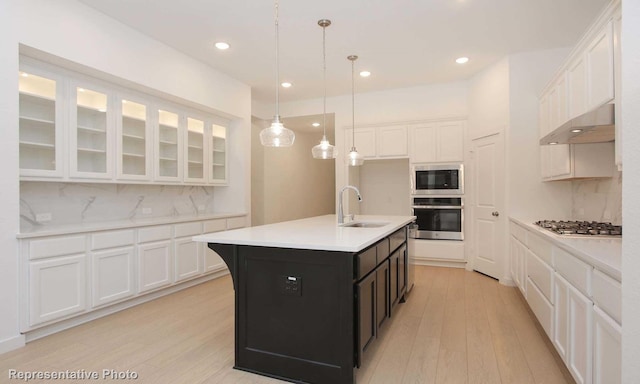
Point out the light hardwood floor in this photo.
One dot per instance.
(456, 327)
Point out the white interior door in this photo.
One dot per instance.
(488, 204)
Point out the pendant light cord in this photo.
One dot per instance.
(324, 79)
(277, 64)
(353, 104)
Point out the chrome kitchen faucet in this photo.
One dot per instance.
(340, 211)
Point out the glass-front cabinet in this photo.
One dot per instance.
(218, 153)
(40, 125)
(134, 144)
(90, 139)
(194, 166)
(168, 147)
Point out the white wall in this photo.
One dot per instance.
(385, 187)
(291, 184)
(489, 100)
(630, 191)
(80, 35)
(9, 187)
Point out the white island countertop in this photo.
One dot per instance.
(603, 253)
(320, 232)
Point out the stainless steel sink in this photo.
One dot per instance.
(365, 224)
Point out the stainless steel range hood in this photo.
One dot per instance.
(596, 126)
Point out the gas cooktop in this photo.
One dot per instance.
(586, 228)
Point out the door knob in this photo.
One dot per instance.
(495, 213)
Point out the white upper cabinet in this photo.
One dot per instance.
(392, 141)
(559, 104)
(134, 144)
(600, 78)
(577, 78)
(40, 123)
(365, 141)
(195, 150)
(437, 142)
(218, 154)
(91, 133)
(76, 128)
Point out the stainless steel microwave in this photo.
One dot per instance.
(437, 179)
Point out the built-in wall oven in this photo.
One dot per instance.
(438, 218)
(437, 179)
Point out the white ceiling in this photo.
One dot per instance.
(402, 42)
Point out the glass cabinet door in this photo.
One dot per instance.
(218, 153)
(91, 144)
(168, 146)
(195, 150)
(133, 141)
(39, 126)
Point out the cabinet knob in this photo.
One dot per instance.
(495, 213)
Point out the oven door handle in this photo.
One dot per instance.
(437, 207)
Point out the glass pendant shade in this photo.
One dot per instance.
(277, 135)
(324, 150)
(355, 159)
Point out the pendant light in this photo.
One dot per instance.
(324, 150)
(354, 157)
(277, 135)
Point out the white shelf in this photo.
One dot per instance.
(134, 118)
(135, 137)
(165, 142)
(91, 150)
(36, 120)
(92, 109)
(133, 155)
(195, 147)
(195, 162)
(91, 130)
(39, 97)
(219, 151)
(217, 165)
(33, 144)
(167, 159)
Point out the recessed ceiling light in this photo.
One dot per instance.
(462, 60)
(81, 89)
(221, 45)
(553, 143)
(315, 124)
(576, 130)
(286, 84)
(24, 74)
(365, 74)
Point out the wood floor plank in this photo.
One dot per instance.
(456, 327)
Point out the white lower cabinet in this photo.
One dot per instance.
(540, 306)
(154, 265)
(112, 275)
(560, 318)
(607, 349)
(57, 288)
(188, 258)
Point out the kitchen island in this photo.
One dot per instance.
(311, 296)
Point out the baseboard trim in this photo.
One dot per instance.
(102, 312)
(438, 263)
(12, 343)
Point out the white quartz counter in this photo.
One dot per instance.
(603, 253)
(320, 232)
(119, 224)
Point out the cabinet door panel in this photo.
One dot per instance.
(187, 259)
(382, 293)
(423, 144)
(577, 77)
(450, 141)
(168, 150)
(218, 169)
(365, 142)
(392, 141)
(394, 261)
(366, 291)
(194, 169)
(57, 288)
(561, 318)
(154, 265)
(600, 77)
(134, 141)
(113, 275)
(607, 349)
(580, 352)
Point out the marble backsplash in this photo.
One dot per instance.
(77, 203)
(598, 199)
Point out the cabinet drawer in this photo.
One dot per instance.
(541, 274)
(575, 271)
(188, 229)
(607, 294)
(541, 247)
(541, 307)
(366, 262)
(236, 222)
(397, 239)
(58, 246)
(215, 225)
(518, 232)
(112, 239)
(162, 232)
(383, 250)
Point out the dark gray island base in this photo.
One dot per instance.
(307, 316)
